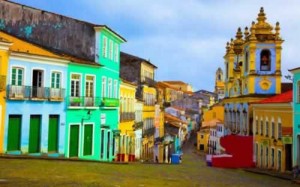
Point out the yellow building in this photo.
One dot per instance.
(272, 128)
(216, 112)
(127, 120)
(149, 97)
(168, 93)
(4, 48)
(252, 72)
(202, 139)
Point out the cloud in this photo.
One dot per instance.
(185, 39)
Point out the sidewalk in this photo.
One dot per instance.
(285, 176)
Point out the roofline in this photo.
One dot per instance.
(85, 22)
(97, 27)
(294, 69)
(142, 59)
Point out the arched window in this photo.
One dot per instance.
(265, 60)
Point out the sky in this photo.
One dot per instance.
(184, 39)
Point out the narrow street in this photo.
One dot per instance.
(192, 172)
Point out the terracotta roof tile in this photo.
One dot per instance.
(285, 97)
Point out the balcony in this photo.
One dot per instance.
(56, 94)
(149, 81)
(110, 102)
(84, 102)
(34, 93)
(2, 82)
(148, 132)
(138, 125)
(18, 92)
(127, 116)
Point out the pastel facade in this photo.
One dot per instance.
(138, 128)
(252, 72)
(273, 132)
(127, 118)
(35, 95)
(202, 139)
(4, 58)
(216, 112)
(296, 116)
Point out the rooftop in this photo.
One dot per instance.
(131, 58)
(285, 97)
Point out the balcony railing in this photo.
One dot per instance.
(138, 125)
(148, 81)
(127, 116)
(83, 101)
(110, 102)
(15, 92)
(2, 82)
(149, 132)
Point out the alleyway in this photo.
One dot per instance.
(192, 172)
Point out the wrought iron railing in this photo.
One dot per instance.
(83, 101)
(127, 116)
(148, 81)
(149, 131)
(22, 92)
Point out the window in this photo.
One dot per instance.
(279, 129)
(246, 61)
(267, 127)
(267, 157)
(110, 53)
(256, 126)
(55, 80)
(89, 86)
(261, 127)
(272, 157)
(109, 91)
(272, 128)
(103, 86)
(298, 92)
(104, 47)
(115, 88)
(265, 60)
(75, 85)
(116, 52)
(17, 76)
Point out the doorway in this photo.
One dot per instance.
(34, 134)
(288, 157)
(53, 134)
(37, 84)
(74, 141)
(14, 133)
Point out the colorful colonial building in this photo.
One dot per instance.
(127, 120)
(35, 100)
(219, 84)
(296, 116)
(273, 132)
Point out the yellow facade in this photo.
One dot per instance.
(127, 117)
(4, 46)
(216, 112)
(272, 128)
(202, 140)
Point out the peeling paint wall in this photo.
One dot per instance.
(50, 30)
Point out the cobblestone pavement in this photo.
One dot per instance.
(192, 172)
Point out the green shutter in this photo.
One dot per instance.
(34, 134)
(74, 141)
(20, 77)
(53, 133)
(88, 140)
(14, 133)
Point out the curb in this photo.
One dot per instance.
(270, 174)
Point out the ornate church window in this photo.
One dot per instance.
(246, 61)
(265, 60)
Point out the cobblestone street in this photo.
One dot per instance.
(192, 172)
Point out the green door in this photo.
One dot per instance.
(34, 134)
(53, 134)
(14, 133)
(74, 141)
(88, 140)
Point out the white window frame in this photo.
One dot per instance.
(89, 90)
(17, 74)
(104, 46)
(109, 88)
(79, 85)
(116, 89)
(110, 48)
(103, 83)
(55, 73)
(116, 52)
(266, 126)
